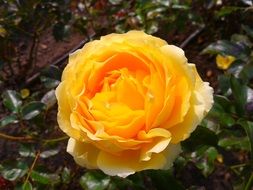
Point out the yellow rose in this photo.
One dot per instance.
(127, 101)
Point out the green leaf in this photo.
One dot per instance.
(32, 109)
(235, 68)
(248, 30)
(249, 184)
(209, 4)
(52, 72)
(27, 186)
(61, 31)
(226, 47)
(223, 101)
(239, 91)
(155, 13)
(51, 76)
(248, 127)
(201, 136)
(49, 153)
(181, 7)
(162, 179)
(212, 154)
(224, 83)
(45, 178)
(222, 110)
(227, 10)
(226, 119)
(206, 161)
(247, 2)
(152, 27)
(115, 2)
(246, 73)
(239, 38)
(180, 163)
(49, 82)
(219, 115)
(236, 143)
(65, 175)
(49, 99)
(14, 172)
(134, 182)
(8, 120)
(12, 100)
(26, 150)
(94, 180)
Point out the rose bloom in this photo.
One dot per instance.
(127, 101)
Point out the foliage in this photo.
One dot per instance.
(25, 21)
(231, 115)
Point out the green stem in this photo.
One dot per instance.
(31, 139)
(32, 166)
(238, 166)
(249, 183)
(55, 140)
(13, 138)
(30, 64)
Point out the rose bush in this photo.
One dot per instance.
(127, 101)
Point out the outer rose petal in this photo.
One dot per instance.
(126, 164)
(84, 153)
(201, 102)
(64, 111)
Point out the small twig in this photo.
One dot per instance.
(25, 32)
(31, 139)
(32, 166)
(56, 139)
(191, 37)
(249, 183)
(13, 138)
(36, 52)
(30, 64)
(238, 166)
(66, 55)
